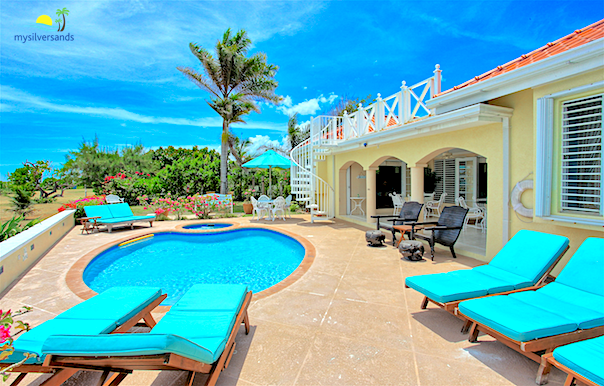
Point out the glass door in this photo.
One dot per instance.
(466, 178)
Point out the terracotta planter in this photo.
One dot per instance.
(248, 208)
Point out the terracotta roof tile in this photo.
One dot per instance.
(578, 38)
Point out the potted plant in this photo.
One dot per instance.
(247, 205)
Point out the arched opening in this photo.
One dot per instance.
(392, 177)
(462, 177)
(352, 191)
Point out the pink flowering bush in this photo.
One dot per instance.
(199, 205)
(79, 204)
(247, 194)
(7, 322)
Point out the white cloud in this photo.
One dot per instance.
(261, 142)
(308, 107)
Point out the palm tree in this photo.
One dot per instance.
(63, 12)
(58, 21)
(235, 83)
(295, 133)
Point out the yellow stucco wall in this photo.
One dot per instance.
(486, 141)
(523, 160)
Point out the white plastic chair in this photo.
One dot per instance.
(397, 201)
(434, 207)
(258, 208)
(288, 204)
(113, 199)
(474, 213)
(278, 206)
(264, 204)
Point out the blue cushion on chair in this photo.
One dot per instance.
(101, 211)
(117, 304)
(586, 358)
(585, 271)
(197, 327)
(517, 281)
(529, 254)
(100, 314)
(120, 210)
(583, 317)
(457, 285)
(516, 319)
(126, 345)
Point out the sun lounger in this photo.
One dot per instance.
(114, 215)
(196, 335)
(113, 311)
(582, 361)
(523, 263)
(568, 310)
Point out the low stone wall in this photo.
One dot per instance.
(20, 252)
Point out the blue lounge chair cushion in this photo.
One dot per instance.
(529, 254)
(126, 345)
(519, 264)
(585, 271)
(585, 358)
(197, 327)
(33, 340)
(101, 211)
(583, 317)
(117, 304)
(100, 314)
(120, 210)
(573, 295)
(516, 319)
(457, 285)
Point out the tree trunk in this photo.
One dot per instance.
(63, 23)
(224, 157)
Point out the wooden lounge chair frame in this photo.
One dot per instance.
(121, 366)
(548, 360)
(63, 374)
(453, 306)
(534, 349)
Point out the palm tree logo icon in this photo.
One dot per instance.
(61, 12)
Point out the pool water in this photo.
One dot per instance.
(208, 226)
(258, 258)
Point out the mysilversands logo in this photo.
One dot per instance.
(45, 22)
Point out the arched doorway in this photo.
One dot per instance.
(352, 190)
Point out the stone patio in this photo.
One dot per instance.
(347, 321)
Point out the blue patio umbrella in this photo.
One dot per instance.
(269, 160)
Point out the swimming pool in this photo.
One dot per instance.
(208, 226)
(259, 258)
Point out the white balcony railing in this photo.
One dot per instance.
(407, 105)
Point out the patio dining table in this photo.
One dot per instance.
(268, 204)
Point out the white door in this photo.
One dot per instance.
(466, 173)
(348, 190)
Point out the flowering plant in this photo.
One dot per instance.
(7, 322)
(79, 204)
(247, 194)
(198, 204)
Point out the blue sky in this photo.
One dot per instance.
(118, 79)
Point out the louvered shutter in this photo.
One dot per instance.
(581, 169)
(445, 169)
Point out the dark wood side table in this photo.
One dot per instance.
(89, 224)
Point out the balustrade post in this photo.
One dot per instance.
(405, 102)
(346, 133)
(379, 119)
(437, 77)
(361, 120)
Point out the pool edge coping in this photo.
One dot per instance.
(75, 280)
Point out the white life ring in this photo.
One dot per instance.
(517, 193)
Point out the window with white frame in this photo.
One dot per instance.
(569, 178)
(581, 155)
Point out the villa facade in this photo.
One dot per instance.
(536, 118)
